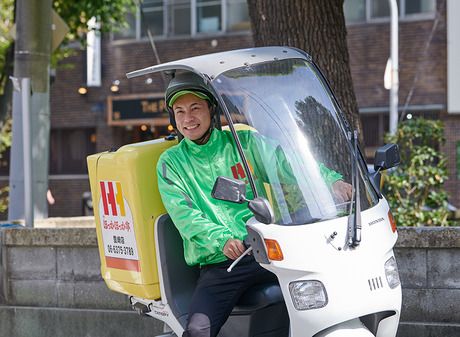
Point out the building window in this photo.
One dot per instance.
(152, 17)
(377, 10)
(179, 17)
(237, 16)
(419, 6)
(381, 8)
(186, 17)
(208, 16)
(69, 149)
(354, 10)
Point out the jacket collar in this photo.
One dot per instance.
(209, 147)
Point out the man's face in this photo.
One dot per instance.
(193, 117)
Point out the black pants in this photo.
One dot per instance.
(218, 291)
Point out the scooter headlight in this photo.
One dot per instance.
(391, 272)
(308, 295)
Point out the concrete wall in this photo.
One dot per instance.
(428, 260)
(51, 286)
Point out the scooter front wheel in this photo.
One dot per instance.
(353, 328)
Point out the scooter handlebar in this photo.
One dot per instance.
(246, 252)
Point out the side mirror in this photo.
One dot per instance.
(233, 190)
(229, 189)
(262, 210)
(386, 157)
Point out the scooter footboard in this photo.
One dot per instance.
(270, 321)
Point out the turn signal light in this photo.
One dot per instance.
(392, 222)
(273, 250)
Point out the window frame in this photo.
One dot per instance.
(402, 14)
(167, 32)
(139, 22)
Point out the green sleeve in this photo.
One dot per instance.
(201, 236)
(329, 176)
(274, 154)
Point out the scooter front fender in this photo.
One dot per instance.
(352, 328)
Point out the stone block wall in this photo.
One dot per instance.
(55, 267)
(50, 284)
(429, 266)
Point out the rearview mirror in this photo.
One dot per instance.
(262, 210)
(233, 190)
(229, 189)
(386, 157)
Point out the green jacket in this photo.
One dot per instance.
(186, 176)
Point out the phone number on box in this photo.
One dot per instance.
(120, 250)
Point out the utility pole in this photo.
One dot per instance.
(31, 61)
(394, 66)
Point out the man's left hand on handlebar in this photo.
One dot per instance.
(342, 191)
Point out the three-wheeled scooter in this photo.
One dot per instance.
(333, 258)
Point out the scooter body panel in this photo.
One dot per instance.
(354, 278)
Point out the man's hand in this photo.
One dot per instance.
(233, 248)
(342, 191)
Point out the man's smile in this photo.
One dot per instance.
(191, 127)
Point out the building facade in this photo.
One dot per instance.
(122, 111)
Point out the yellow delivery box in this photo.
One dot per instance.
(126, 205)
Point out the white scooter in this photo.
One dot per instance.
(333, 258)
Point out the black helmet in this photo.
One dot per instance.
(187, 81)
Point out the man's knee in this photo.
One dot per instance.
(198, 326)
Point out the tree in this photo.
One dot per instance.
(110, 13)
(32, 59)
(318, 27)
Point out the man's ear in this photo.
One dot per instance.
(172, 118)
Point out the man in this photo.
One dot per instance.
(213, 230)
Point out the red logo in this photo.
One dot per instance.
(238, 171)
(112, 197)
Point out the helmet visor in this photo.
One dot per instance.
(181, 93)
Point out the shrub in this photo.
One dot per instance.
(5, 143)
(415, 188)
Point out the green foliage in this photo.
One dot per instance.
(5, 136)
(6, 23)
(111, 16)
(5, 143)
(415, 189)
(109, 13)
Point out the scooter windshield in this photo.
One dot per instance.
(294, 140)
